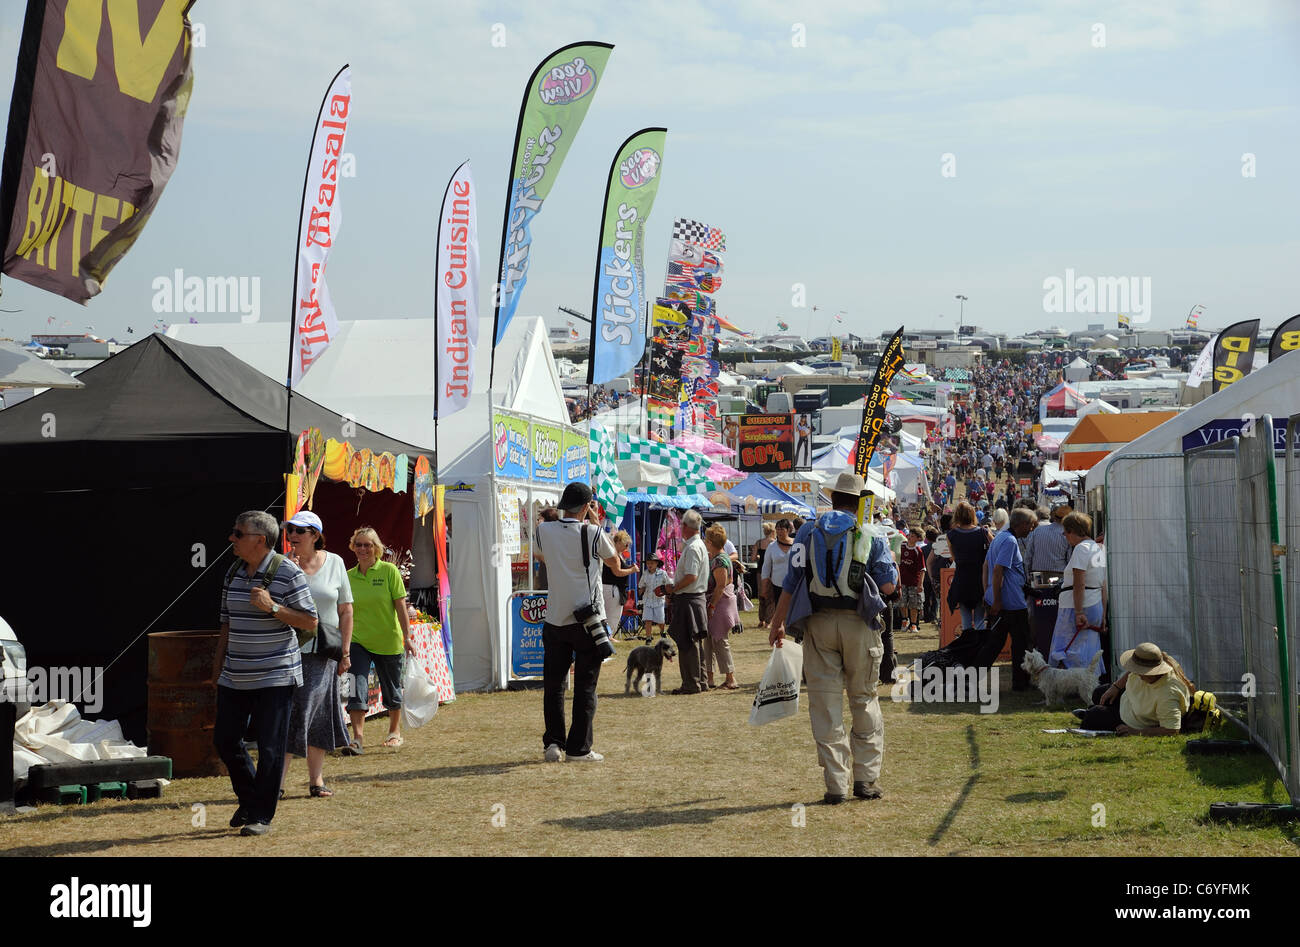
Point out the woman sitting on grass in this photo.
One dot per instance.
(1154, 696)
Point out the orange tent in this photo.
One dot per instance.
(1096, 435)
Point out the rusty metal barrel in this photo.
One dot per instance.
(183, 701)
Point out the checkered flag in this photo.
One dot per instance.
(692, 231)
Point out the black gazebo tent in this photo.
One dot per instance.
(117, 499)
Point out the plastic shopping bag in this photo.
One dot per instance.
(419, 696)
(778, 691)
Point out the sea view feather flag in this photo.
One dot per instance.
(94, 135)
(456, 293)
(873, 413)
(315, 323)
(555, 102)
(1234, 353)
(618, 332)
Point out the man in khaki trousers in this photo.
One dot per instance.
(841, 650)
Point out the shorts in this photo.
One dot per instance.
(911, 596)
(389, 669)
(653, 613)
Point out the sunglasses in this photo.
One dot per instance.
(240, 534)
(362, 545)
(299, 529)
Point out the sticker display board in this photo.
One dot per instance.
(547, 444)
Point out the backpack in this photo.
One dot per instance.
(837, 561)
(267, 578)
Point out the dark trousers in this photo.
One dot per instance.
(689, 614)
(267, 709)
(887, 659)
(1007, 622)
(565, 645)
(1102, 716)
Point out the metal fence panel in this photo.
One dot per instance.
(1291, 501)
(1146, 556)
(1218, 644)
(1270, 709)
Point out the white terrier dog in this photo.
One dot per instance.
(1059, 683)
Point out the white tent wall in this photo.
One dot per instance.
(1135, 494)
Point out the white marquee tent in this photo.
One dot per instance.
(380, 372)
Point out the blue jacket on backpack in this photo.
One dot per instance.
(880, 566)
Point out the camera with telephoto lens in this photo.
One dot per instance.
(597, 627)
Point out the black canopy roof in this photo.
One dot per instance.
(163, 411)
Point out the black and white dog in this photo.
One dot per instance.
(645, 661)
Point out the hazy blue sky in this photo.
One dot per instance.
(823, 162)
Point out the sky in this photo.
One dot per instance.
(871, 158)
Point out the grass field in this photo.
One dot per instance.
(689, 776)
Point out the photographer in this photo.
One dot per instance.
(576, 631)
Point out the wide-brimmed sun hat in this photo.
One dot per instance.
(1146, 658)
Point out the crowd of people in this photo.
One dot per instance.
(598, 399)
(299, 630)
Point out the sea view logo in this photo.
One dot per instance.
(181, 293)
(500, 443)
(640, 167)
(567, 83)
(1127, 294)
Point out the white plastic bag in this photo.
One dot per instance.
(419, 696)
(778, 691)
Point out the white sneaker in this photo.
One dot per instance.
(553, 753)
(592, 757)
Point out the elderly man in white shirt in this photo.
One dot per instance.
(690, 623)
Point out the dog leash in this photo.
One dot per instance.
(1096, 628)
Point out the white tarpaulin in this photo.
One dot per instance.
(56, 733)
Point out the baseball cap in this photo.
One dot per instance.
(575, 496)
(306, 518)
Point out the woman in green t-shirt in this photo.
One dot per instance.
(381, 631)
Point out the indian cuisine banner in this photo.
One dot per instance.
(456, 293)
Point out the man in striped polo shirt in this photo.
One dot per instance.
(258, 665)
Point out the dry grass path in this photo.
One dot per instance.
(688, 775)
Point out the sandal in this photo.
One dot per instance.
(321, 792)
(730, 687)
(353, 749)
(394, 741)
